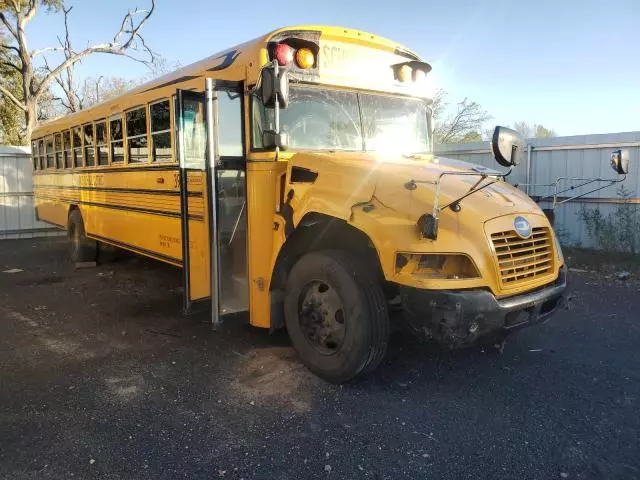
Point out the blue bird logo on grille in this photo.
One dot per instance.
(522, 227)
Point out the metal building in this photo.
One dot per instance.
(17, 214)
(583, 156)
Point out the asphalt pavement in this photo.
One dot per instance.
(102, 377)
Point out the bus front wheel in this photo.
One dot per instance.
(336, 315)
(81, 248)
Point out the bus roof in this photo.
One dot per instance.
(238, 63)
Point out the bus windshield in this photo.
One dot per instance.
(325, 119)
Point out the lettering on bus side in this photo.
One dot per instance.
(334, 57)
(91, 180)
(167, 241)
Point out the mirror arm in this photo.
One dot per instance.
(470, 192)
(412, 184)
(609, 183)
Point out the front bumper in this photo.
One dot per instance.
(460, 318)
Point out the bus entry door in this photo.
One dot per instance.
(213, 198)
(195, 189)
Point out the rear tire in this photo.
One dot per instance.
(81, 249)
(336, 315)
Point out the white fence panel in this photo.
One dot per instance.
(17, 213)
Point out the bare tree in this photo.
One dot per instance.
(16, 14)
(78, 95)
(461, 125)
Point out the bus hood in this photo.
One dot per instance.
(354, 178)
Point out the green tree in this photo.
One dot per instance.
(35, 73)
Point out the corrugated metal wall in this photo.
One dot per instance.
(583, 156)
(17, 215)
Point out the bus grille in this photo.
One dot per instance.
(521, 260)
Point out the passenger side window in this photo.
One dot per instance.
(49, 152)
(41, 154)
(138, 149)
(58, 146)
(117, 140)
(77, 147)
(160, 131)
(66, 147)
(229, 124)
(89, 155)
(101, 144)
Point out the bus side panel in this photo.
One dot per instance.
(263, 246)
(50, 205)
(52, 211)
(199, 244)
(154, 235)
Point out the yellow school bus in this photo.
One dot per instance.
(293, 177)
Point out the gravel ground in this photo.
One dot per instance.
(102, 377)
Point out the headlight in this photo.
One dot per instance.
(441, 266)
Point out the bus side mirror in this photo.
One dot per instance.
(620, 161)
(271, 139)
(274, 85)
(507, 146)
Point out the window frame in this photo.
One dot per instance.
(75, 147)
(123, 140)
(41, 156)
(230, 88)
(67, 149)
(92, 146)
(50, 165)
(57, 142)
(104, 145)
(144, 107)
(151, 133)
(250, 116)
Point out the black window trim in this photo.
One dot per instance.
(169, 130)
(106, 144)
(115, 117)
(144, 107)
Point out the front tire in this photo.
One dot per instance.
(336, 315)
(81, 248)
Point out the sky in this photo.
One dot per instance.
(570, 65)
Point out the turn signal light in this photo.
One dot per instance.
(305, 58)
(283, 53)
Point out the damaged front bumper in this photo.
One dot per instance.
(461, 318)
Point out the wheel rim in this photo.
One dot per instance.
(321, 317)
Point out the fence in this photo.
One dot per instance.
(582, 156)
(17, 214)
